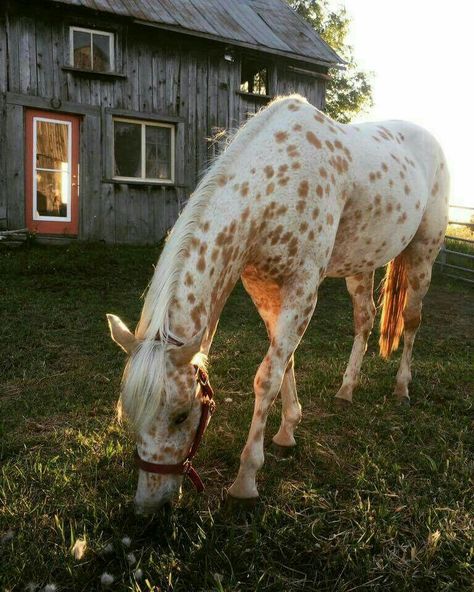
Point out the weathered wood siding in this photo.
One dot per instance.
(3, 88)
(162, 75)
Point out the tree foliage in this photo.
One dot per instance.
(349, 91)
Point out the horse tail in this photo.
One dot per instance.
(393, 298)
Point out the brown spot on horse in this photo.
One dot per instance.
(303, 189)
(269, 172)
(281, 137)
(314, 140)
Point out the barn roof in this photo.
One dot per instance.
(265, 25)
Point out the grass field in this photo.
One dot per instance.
(375, 498)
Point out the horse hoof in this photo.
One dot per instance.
(404, 401)
(282, 451)
(342, 403)
(246, 504)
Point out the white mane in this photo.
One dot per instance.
(143, 383)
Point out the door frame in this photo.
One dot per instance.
(68, 226)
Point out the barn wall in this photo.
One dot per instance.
(185, 80)
(3, 88)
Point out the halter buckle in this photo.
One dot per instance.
(202, 377)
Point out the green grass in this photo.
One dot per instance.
(375, 498)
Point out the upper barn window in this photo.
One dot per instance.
(254, 77)
(143, 151)
(92, 50)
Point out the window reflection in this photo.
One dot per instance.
(52, 169)
(92, 50)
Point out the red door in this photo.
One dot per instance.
(52, 173)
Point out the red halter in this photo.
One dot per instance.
(185, 467)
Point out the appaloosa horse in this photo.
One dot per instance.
(295, 197)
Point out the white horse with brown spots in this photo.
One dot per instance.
(295, 197)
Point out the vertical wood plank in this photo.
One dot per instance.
(90, 221)
(191, 148)
(15, 167)
(131, 99)
(44, 59)
(60, 86)
(3, 164)
(202, 129)
(108, 212)
(3, 53)
(12, 27)
(145, 77)
(172, 74)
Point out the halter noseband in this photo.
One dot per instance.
(185, 467)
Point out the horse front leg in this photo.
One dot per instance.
(289, 328)
(266, 386)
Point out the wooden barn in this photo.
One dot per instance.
(108, 106)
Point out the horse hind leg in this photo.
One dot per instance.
(290, 410)
(418, 259)
(360, 288)
(419, 264)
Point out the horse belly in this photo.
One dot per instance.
(373, 230)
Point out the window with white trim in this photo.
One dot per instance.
(143, 150)
(92, 50)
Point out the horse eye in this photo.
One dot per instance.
(181, 417)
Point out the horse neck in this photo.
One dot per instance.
(212, 262)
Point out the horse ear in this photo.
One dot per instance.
(121, 334)
(183, 354)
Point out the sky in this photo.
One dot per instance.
(421, 53)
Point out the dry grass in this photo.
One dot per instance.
(460, 231)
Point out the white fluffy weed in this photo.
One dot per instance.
(107, 579)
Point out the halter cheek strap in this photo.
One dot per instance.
(185, 467)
